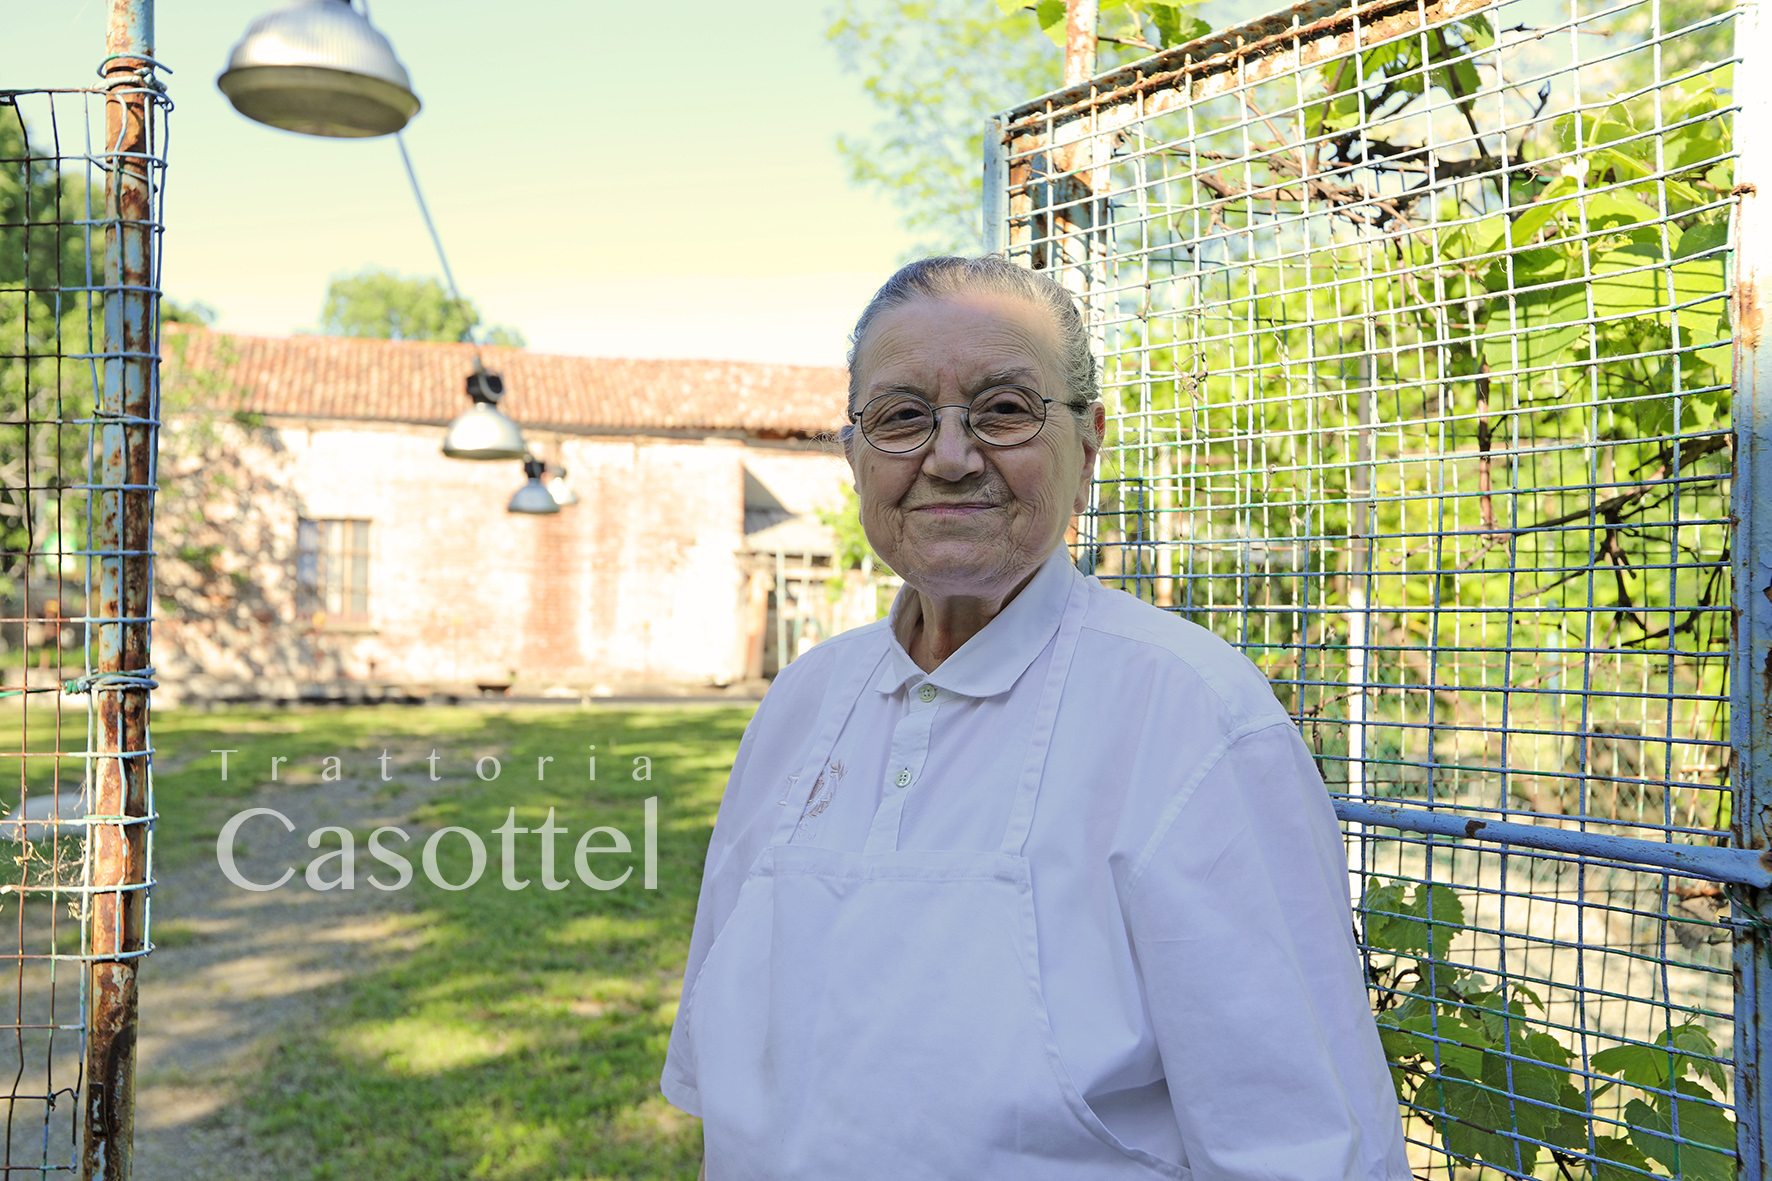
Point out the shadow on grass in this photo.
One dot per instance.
(522, 1037)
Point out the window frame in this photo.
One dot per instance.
(332, 565)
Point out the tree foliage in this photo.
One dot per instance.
(196, 312)
(939, 69)
(936, 69)
(52, 249)
(1572, 289)
(1144, 26)
(381, 304)
(853, 550)
(49, 252)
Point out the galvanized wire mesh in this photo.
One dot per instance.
(61, 506)
(1417, 362)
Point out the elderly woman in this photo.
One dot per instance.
(1029, 881)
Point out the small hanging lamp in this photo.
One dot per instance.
(481, 431)
(559, 489)
(318, 67)
(533, 497)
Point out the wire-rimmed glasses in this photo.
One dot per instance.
(1002, 416)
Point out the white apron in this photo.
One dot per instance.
(879, 1015)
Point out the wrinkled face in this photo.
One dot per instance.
(957, 517)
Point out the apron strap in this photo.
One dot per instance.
(1021, 815)
(839, 703)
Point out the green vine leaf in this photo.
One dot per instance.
(1382, 905)
(1617, 1159)
(1702, 1123)
(1441, 1040)
(1688, 1049)
(1425, 922)
(1478, 1114)
(1696, 1053)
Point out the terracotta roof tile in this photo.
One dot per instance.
(424, 382)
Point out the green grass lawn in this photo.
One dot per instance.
(522, 1037)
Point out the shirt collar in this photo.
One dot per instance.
(993, 660)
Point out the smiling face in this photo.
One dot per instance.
(956, 517)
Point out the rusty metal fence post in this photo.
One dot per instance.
(81, 210)
(1751, 664)
(122, 550)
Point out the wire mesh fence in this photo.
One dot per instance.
(1417, 357)
(80, 185)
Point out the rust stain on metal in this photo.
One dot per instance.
(1473, 827)
(1749, 318)
(123, 539)
(1079, 40)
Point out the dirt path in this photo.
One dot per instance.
(233, 971)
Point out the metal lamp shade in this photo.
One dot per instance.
(560, 490)
(481, 432)
(317, 67)
(533, 497)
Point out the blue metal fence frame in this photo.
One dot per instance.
(1746, 865)
(1751, 664)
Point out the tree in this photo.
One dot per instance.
(381, 304)
(938, 69)
(853, 550)
(44, 315)
(196, 312)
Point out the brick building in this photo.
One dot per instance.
(313, 539)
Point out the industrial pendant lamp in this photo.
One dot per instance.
(318, 67)
(481, 432)
(533, 497)
(559, 489)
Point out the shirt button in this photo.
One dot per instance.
(927, 692)
(903, 779)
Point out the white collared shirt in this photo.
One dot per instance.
(1190, 885)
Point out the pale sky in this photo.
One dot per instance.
(612, 179)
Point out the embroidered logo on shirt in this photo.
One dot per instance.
(824, 789)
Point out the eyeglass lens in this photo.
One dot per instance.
(1001, 417)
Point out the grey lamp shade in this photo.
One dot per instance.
(481, 432)
(317, 67)
(533, 497)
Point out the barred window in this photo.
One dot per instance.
(332, 570)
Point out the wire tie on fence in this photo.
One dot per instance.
(141, 75)
(1743, 916)
(142, 678)
(87, 682)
